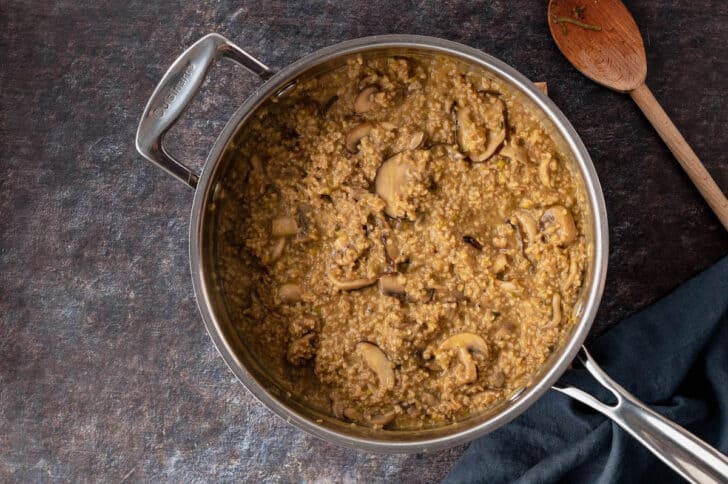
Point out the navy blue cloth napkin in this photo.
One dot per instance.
(672, 356)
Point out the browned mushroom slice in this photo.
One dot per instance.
(290, 293)
(337, 407)
(353, 284)
(382, 419)
(574, 276)
(399, 182)
(514, 152)
(555, 309)
(389, 242)
(352, 414)
(390, 286)
(558, 225)
(416, 140)
(465, 343)
(479, 135)
(407, 141)
(276, 251)
(328, 104)
(354, 136)
(378, 362)
(544, 171)
(364, 101)
(392, 176)
(284, 227)
(528, 225)
(556, 314)
(391, 251)
(497, 379)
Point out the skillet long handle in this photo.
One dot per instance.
(174, 93)
(682, 151)
(685, 453)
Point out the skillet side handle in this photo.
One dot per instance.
(685, 453)
(174, 93)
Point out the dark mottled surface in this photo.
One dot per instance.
(105, 369)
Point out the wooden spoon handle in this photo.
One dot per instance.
(682, 151)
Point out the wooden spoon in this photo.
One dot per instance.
(601, 39)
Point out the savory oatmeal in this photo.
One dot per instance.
(401, 244)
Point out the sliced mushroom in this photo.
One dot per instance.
(480, 139)
(468, 341)
(389, 243)
(277, 250)
(353, 284)
(352, 414)
(355, 135)
(284, 227)
(574, 273)
(391, 251)
(406, 140)
(382, 419)
(328, 104)
(416, 140)
(519, 238)
(391, 178)
(390, 286)
(514, 152)
(543, 172)
(364, 101)
(290, 293)
(337, 408)
(465, 343)
(398, 182)
(528, 225)
(555, 310)
(497, 379)
(558, 225)
(378, 362)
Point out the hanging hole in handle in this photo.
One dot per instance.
(600, 392)
(225, 89)
(176, 91)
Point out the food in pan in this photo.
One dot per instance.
(401, 242)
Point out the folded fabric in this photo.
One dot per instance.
(673, 356)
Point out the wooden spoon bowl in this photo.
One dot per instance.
(614, 55)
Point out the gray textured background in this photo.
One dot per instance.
(105, 369)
